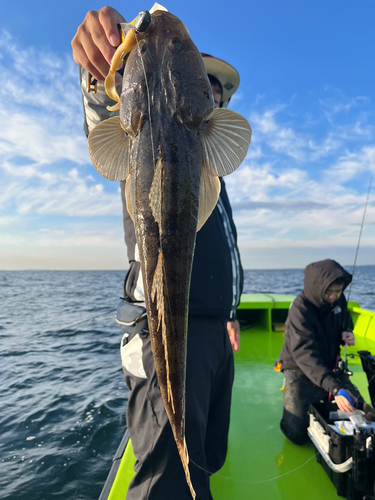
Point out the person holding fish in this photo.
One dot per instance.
(178, 363)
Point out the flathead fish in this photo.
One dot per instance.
(171, 146)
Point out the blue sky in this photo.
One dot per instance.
(307, 89)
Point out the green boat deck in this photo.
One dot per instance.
(261, 462)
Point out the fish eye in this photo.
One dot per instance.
(174, 44)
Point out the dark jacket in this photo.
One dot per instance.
(217, 276)
(313, 328)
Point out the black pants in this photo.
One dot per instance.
(209, 378)
(299, 393)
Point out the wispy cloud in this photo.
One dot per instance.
(39, 138)
(352, 164)
(341, 103)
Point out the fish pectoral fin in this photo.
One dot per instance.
(109, 149)
(224, 142)
(209, 194)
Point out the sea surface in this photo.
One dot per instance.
(62, 393)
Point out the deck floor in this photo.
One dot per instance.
(261, 462)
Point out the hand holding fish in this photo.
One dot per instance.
(96, 41)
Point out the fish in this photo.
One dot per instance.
(171, 146)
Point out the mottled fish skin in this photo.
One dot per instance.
(180, 101)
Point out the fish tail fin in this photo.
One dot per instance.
(183, 452)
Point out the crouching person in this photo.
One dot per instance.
(318, 323)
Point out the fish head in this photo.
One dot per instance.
(165, 70)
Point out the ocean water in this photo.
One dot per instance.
(62, 393)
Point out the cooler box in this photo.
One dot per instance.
(349, 460)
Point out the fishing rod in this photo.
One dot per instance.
(344, 360)
(359, 239)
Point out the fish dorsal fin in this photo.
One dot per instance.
(224, 142)
(109, 149)
(155, 195)
(210, 190)
(157, 296)
(129, 204)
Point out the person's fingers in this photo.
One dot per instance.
(88, 55)
(233, 340)
(237, 336)
(233, 328)
(98, 68)
(96, 40)
(96, 58)
(231, 334)
(344, 404)
(109, 19)
(349, 338)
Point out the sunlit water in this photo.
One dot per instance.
(62, 394)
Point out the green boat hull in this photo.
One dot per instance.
(261, 463)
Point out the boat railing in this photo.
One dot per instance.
(364, 322)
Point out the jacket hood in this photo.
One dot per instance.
(319, 276)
